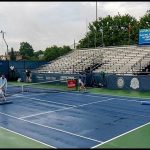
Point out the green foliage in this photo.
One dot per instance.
(53, 52)
(26, 50)
(37, 55)
(107, 31)
(145, 21)
(116, 31)
(49, 54)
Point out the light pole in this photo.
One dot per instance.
(74, 44)
(95, 33)
(129, 28)
(95, 38)
(101, 30)
(87, 33)
(96, 24)
(96, 10)
(4, 40)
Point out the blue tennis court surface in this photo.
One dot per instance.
(72, 120)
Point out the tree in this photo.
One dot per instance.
(26, 50)
(54, 52)
(144, 22)
(12, 54)
(37, 53)
(125, 30)
(117, 30)
(51, 53)
(65, 49)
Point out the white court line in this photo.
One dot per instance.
(48, 101)
(105, 96)
(112, 138)
(65, 108)
(81, 94)
(101, 95)
(72, 106)
(32, 94)
(56, 128)
(120, 135)
(48, 112)
(122, 96)
(63, 131)
(80, 105)
(114, 96)
(128, 100)
(28, 137)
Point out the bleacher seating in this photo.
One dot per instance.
(123, 59)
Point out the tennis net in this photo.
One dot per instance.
(44, 87)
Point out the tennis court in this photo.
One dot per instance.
(72, 119)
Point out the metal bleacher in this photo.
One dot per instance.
(122, 59)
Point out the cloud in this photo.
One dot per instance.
(44, 24)
(136, 9)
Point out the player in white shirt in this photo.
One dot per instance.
(81, 85)
(3, 86)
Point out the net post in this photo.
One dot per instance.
(77, 84)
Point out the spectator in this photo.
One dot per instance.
(28, 75)
(12, 70)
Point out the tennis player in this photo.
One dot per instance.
(81, 85)
(3, 85)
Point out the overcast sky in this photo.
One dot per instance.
(44, 24)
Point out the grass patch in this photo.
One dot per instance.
(133, 139)
(128, 93)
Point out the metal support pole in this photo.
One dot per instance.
(102, 38)
(96, 23)
(4, 40)
(95, 39)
